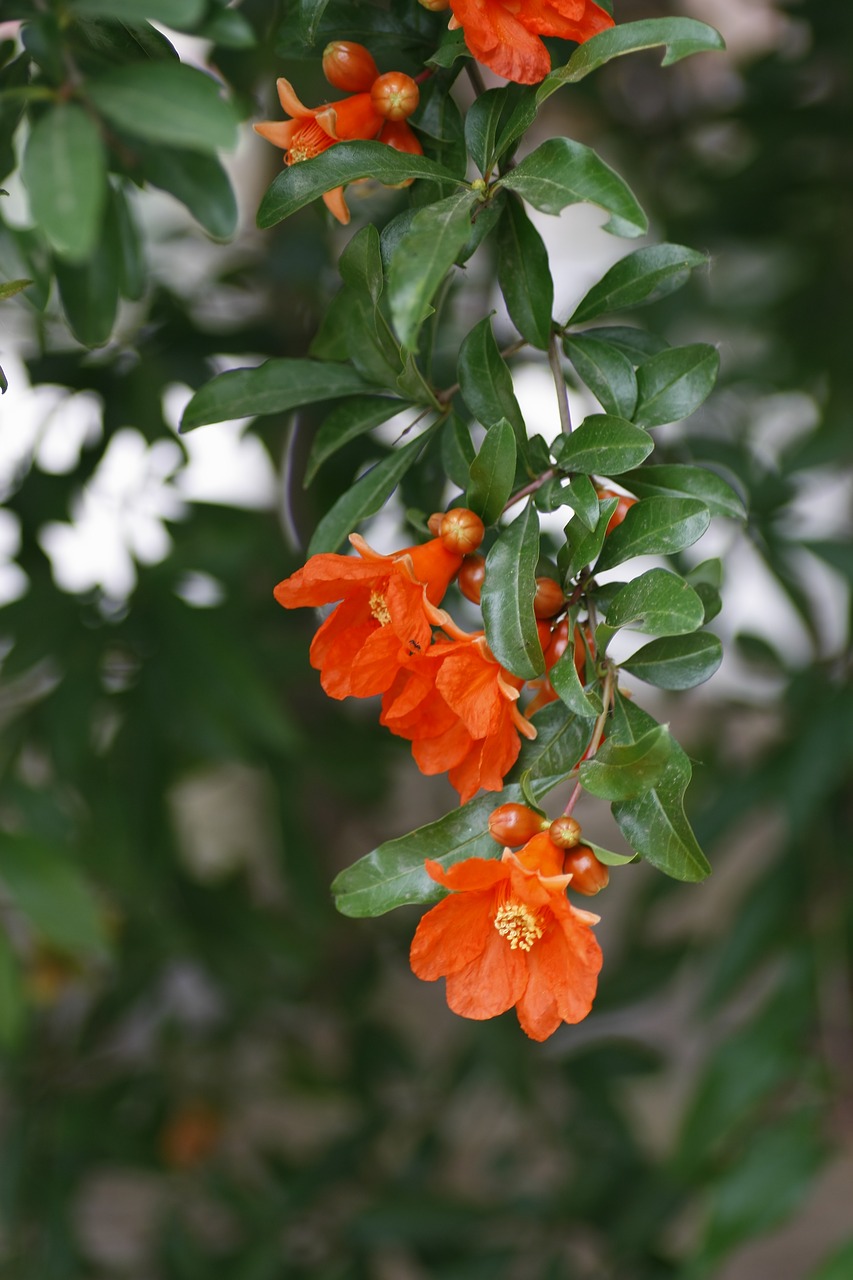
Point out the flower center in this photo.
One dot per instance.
(379, 608)
(518, 925)
(307, 141)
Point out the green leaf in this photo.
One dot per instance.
(492, 473)
(706, 579)
(13, 1010)
(486, 382)
(360, 263)
(681, 36)
(561, 172)
(198, 181)
(349, 420)
(273, 387)
(230, 29)
(12, 287)
(180, 14)
(636, 344)
(422, 259)
(607, 372)
(655, 526)
(674, 383)
(300, 184)
(603, 445)
(638, 279)
(166, 102)
(657, 602)
(132, 273)
(47, 887)
(507, 599)
(655, 824)
(481, 124)
(89, 292)
(678, 480)
(582, 498)
(65, 172)
(583, 546)
(310, 15)
(566, 682)
(524, 274)
(367, 495)
(394, 874)
(676, 662)
(457, 451)
(4, 382)
(452, 46)
(609, 858)
(621, 771)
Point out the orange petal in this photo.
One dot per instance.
(451, 935)
(491, 983)
(337, 205)
(327, 578)
(289, 101)
(499, 40)
(432, 564)
(278, 132)
(354, 117)
(470, 874)
(441, 753)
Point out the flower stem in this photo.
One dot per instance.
(560, 385)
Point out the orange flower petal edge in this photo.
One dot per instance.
(504, 34)
(508, 936)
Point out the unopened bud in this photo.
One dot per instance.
(471, 576)
(565, 833)
(349, 66)
(461, 530)
(588, 874)
(549, 598)
(394, 95)
(515, 824)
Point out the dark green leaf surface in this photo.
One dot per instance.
(639, 278)
(492, 473)
(486, 382)
(655, 823)
(607, 372)
(524, 274)
(507, 599)
(679, 480)
(273, 387)
(166, 102)
(655, 526)
(182, 14)
(582, 545)
(621, 771)
(360, 264)
(603, 445)
(581, 496)
(394, 874)
(89, 292)
(481, 123)
(674, 383)
(422, 259)
(349, 420)
(65, 172)
(680, 36)
(198, 181)
(561, 172)
(677, 662)
(658, 602)
(566, 682)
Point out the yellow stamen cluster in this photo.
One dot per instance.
(518, 925)
(379, 608)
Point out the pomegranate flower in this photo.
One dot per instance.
(504, 34)
(507, 935)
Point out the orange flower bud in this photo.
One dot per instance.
(398, 135)
(395, 95)
(588, 874)
(471, 578)
(623, 506)
(349, 66)
(462, 530)
(565, 833)
(549, 598)
(515, 824)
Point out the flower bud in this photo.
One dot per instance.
(349, 66)
(394, 95)
(471, 577)
(461, 530)
(588, 874)
(623, 506)
(515, 824)
(549, 598)
(565, 832)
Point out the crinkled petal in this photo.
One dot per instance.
(563, 970)
(451, 935)
(470, 874)
(491, 983)
(499, 40)
(377, 663)
(329, 577)
(468, 683)
(444, 751)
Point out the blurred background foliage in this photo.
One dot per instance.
(206, 1072)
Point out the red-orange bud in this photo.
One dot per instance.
(623, 506)
(549, 598)
(565, 833)
(461, 530)
(395, 95)
(471, 577)
(588, 874)
(349, 66)
(515, 824)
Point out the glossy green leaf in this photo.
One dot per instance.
(507, 599)
(657, 602)
(198, 181)
(89, 292)
(636, 344)
(607, 856)
(524, 274)
(655, 526)
(655, 823)
(457, 451)
(492, 473)
(47, 887)
(394, 874)
(166, 102)
(481, 124)
(310, 15)
(623, 770)
(300, 184)
(486, 382)
(603, 445)
(132, 274)
(676, 662)
(567, 684)
(366, 496)
(561, 172)
(181, 14)
(273, 387)
(582, 545)
(581, 496)
(349, 420)
(680, 36)
(674, 383)
(607, 372)
(639, 278)
(360, 264)
(679, 480)
(422, 259)
(64, 169)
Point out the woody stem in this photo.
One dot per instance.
(560, 385)
(529, 488)
(597, 734)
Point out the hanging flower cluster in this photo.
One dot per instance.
(378, 108)
(442, 689)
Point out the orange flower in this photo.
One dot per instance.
(508, 936)
(385, 616)
(504, 34)
(457, 706)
